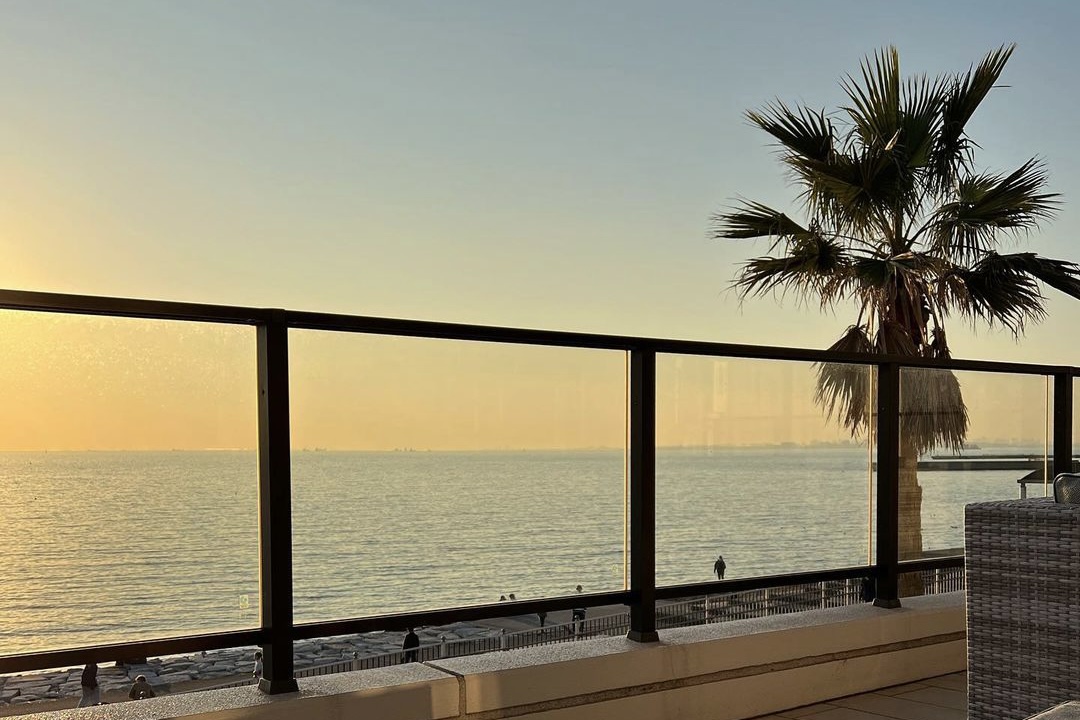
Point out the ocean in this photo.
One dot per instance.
(103, 547)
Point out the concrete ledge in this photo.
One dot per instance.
(749, 697)
(726, 671)
(888, 647)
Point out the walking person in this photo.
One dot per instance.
(577, 617)
(869, 589)
(91, 691)
(409, 646)
(257, 671)
(141, 689)
(719, 567)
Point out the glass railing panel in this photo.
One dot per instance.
(965, 437)
(128, 467)
(759, 466)
(435, 473)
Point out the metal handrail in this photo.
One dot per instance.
(307, 320)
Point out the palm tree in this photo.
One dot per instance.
(900, 223)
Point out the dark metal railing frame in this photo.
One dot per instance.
(275, 508)
(278, 631)
(887, 570)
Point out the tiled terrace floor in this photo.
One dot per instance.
(940, 698)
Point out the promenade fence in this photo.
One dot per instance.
(277, 631)
(704, 610)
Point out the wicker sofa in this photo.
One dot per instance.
(1023, 607)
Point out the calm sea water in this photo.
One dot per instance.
(108, 547)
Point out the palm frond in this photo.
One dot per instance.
(873, 271)
(894, 338)
(939, 345)
(753, 220)
(875, 109)
(803, 132)
(896, 122)
(879, 276)
(815, 265)
(999, 289)
(952, 151)
(850, 191)
(969, 227)
(829, 188)
(1059, 274)
(920, 119)
(932, 409)
(844, 390)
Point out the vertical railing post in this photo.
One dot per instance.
(642, 469)
(888, 486)
(275, 508)
(1063, 420)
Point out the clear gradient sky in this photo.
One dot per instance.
(550, 164)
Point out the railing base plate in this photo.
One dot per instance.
(643, 637)
(279, 687)
(889, 604)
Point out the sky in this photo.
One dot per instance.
(547, 165)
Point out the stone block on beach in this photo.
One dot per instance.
(176, 677)
(467, 631)
(29, 689)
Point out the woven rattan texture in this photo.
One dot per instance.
(1023, 607)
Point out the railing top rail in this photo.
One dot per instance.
(195, 312)
(130, 307)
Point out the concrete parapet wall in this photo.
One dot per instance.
(726, 671)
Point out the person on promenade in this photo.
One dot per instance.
(409, 645)
(141, 689)
(258, 669)
(543, 617)
(513, 597)
(577, 617)
(869, 589)
(91, 692)
(719, 567)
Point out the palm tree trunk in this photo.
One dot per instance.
(910, 509)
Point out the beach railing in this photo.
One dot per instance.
(703, 610)
(276, 628)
